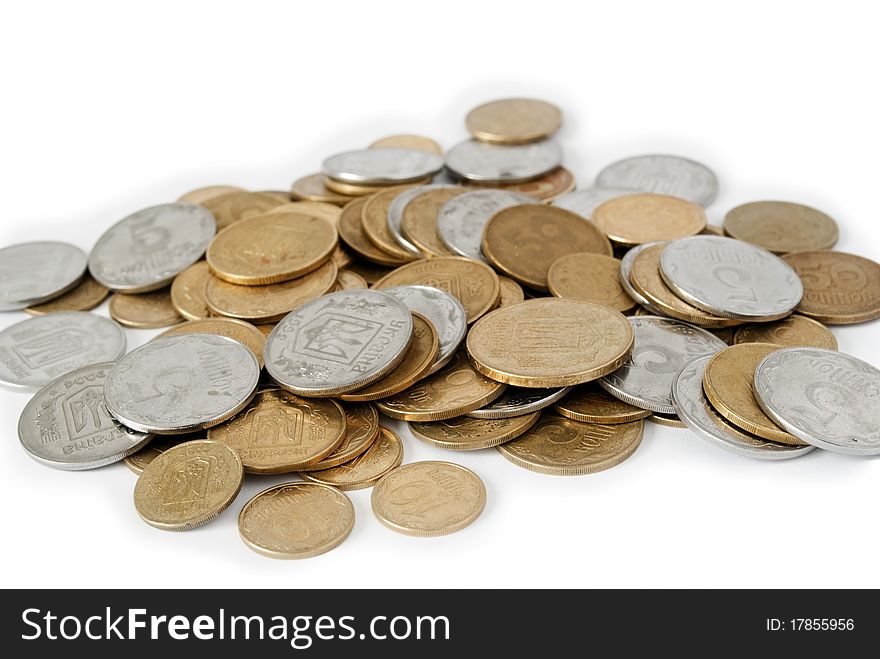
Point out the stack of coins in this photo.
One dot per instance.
(472, 301)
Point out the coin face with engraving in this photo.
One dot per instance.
(361, 430)
(589, 276)
(794, 331)
(238, 330)
(591, 404)
(468, 434)
(584, 202)
(490, 163)
(511, 292)
(33, 273)
(642, 218)
(238, 205)
(663, 174)
(516, 401)
(188, 291)
(382, 166)
(86, 295)
(513, 121)
(144, 310)
(781, 226)
(367, 469)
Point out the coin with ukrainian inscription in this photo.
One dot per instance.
(516, 401)
(238, 330)
(781, 226)
(351, 232)
(188, 291)
(663, 174)
(396, 209)
(468, 434)
(312, 188)
(408, 142)
(238, 205)
(591, 404)
(33, 273)
(490, 163)
(584, 202)
(511, 292)
(513, 121)
(385, 454)
(382, 166)
(794, 331)
(642, 218)
(361, 430)
(86, 295)
(589, 276)
(144, 310)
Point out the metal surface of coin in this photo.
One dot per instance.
(469, 434)
(188, 291)
(513, 121)
(238, 330)
(713, 230)
(730, 278)
(418, 142)
(781, 226)
(794, 331)
(347, 280)
(201, 195)
(642, 218)
(67, 426)
(385, 454)
(233, 207)
(339, 342)
(662, 348)
(182, 383)
(584, 202)
(138, 460)
(329, 212)
(374, 221)
(488, 163)
(551, 186)
(396, 208)
(351, 232)
(591, 404)
(36, 351)
(33, 273)
(361, 430)
(312, 188)
(668, 420)
(382, 166)
(516, 401)
(626, 263)
(419, 222)
(589, 276)
(663, 174)
(511, 292)
(86, 295)
(147, 250)
(144, 310)
(369, 271)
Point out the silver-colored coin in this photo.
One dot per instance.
(700, 417)
(382, 166)
(662, 348)
(489, 163)
(36, 351)
(584, 202)
(517, 401)
(66, 424)
(339, 342)
(145, 251)
(662, 174)
(183, 383)
(625, 269)
(395, 213)
(461, 220)
(731, 278)
(824, 397)
(33, 273)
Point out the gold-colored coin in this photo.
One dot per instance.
(357, 190)
(268, 304)
(201, 195)
(188, 291)
(794, 331)
(374, 219)
(417, 361)
(419, 221)
(513, 121)
(522, 241)
(188, 485)
(232, 207)
(296, 520)
(591, 277)
(591, 404)
(87, 295)
(329, 212)
(728, 382)
(312, 188)
(144, 310)
(781, 226)
(369, 271)
(418, 142)
(712, 230)
(550, 342)
(351, 232)
(361, 430)
(279, 432)
(238, 330)
(839, 288)
(385, 454)
(341, 258)
(282, 197)
(428, 499)
(266, 328)
(668, 420)
(348, 279)
(474, 284)
(138, 461)
(558, 446)
(511, 292)
(454, 390)
(547, 188)
(466, 434)
(643, 218)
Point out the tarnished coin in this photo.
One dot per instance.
(396, 209)
(361, 430)
(33, 273)
(312, 188)
(626, 264)
(730, 278)
(147, 250)
(385, 454)
(488, 163)
(238, 330)
(584, 202)
(138, 460)
(347, 280)
(516, 401)
(382, 166)
(839, 288)
(419, 222)
(233, 207)
(794, 331)
(86, 295)
(182, 383)
(662, 348)
(188, 291)
(511, 292)
(36, 351)
(351, 232)
(296, 520)
(428, 499)
(668, 420)
(144, 310)
(589, 276)
(590, 404)
(513, 121)
(375, 222)
(663, 174)
(67, 426)
(781, 226)
(418, 142)
(550, 342)
(563, 447)
(643, 218)
(468, 434)
(823, 397)
(201, 195)
(551, 186)
(339, 342)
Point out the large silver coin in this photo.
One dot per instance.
(461, 220)
(489, 163)
(698, 414)
(444, 312)
(395, 213)
(182, 383)
(662, 174)
(382, 166)
(145, 251)
(731, 278)
(339, 342)
(824, 397)
(625, 269)
(66, 424)
(33, 273)
(662, 348)
(584, 202)
(36, 351)
(517, 401)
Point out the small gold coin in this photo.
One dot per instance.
(238, 330)
(139, 460)
(643, 218)
(454, 390)
(550, 342)
(87, 295)
(188, 485)
(348, 279)
(591, 404)
(419, 221)
(361, 430)
(312, 188)
(523, 241)
(547, 188)
(408, 142)
(591, 277)
(511, 292)
(367, 469)
(144, 310)
(232, 207)
(188, 291)
(427, 499)
(358, 190)
(668, 420)
(351, 232)
(369, 271)
(329, 212)
(466, 434)
(781, 226)
(374, 219)
(201, 195)
(564, 447)
(794, 331)
(513, 121)
(296, 520)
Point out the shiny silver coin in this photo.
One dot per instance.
(382, 166)
(584, 202)
(824, 397)
(517, 401)
(145, 251)
(731, 278)
(489, 163)
(339, 342)
(662, 174)
(36, 351)
(395, 213)
(180, 384)
(700, 417)
(66, 425)
(625, 270)
(33, 273)
(662, 348)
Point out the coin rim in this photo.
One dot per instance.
(512, 433)
(313, 476)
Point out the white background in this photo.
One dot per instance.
(108, 108)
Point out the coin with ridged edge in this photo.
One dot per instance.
(794, 331)
(238, 330)
(589, 403)
(361, 430)
(385, 454)
(468, 434)
(516, 401)
(781, 226)
(34, 273)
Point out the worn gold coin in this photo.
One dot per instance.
(348, 279)
(157, 446)
(351, 232)
(360, 190)
(312, 188)
(513, 121)
(590, 403)
(188, 291)
(591, 277)
(419, 221)
(85, 296)
(374, 218)
(643, 218)
(144, 310)
(668, 420)
(781, 226)
(361, 430)
(466, 434)
(365, 470)
(238, 330)
(511, 292)
(232, 207)
(408, 142)
(329, 212)
(201, 195)
(188, 485)
(794, 331)
(547, 188)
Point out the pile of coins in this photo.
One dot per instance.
(475, 295)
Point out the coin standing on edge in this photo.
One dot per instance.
(663, 174)
(385, 454)
(37, 272)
